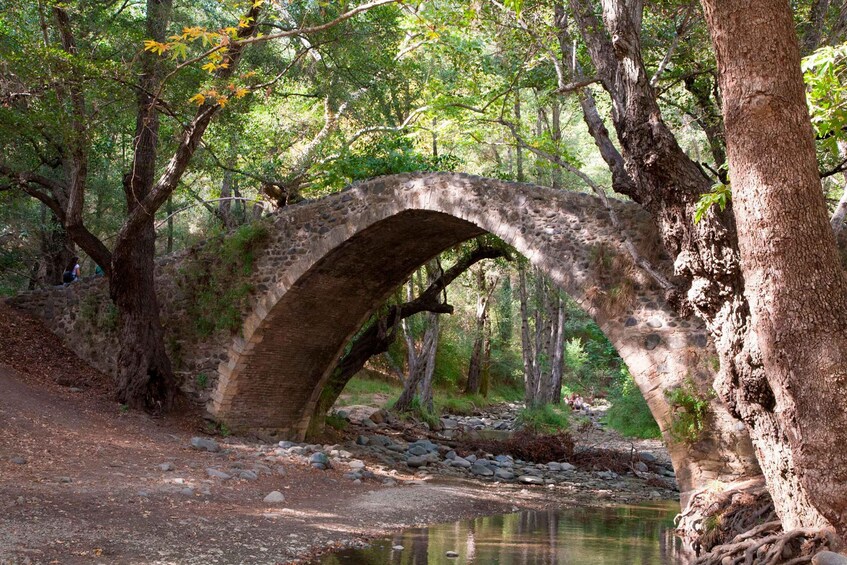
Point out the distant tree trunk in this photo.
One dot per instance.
(529, 357)
(431, 348)
(793, 278)
(225, 205)
(518, 152)
(169, 210)
(556, 134)
(485, 376)
(840, 212)
(557, 361)
(477, 361)
(56, 250)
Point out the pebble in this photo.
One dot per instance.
(187, 491)
(451, 554)
(481, 469)
(204, 443)
(397, 548)
(18, 460)
(248, 475)
(274, 497)
(166, 466)
(530, 480)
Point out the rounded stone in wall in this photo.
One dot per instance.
(652, 342)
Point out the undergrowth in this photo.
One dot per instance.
(216, 278)
(546, 419)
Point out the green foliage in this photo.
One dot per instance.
(216, 278)
(335, 421)
(690, 410)
(720, 195)
(629, 413)
(385, 156)
(202, 380)
(824, 72)
(546, 419)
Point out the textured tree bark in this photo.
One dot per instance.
(792, 274)
(557, 361)
(145, 376)
(530, 370)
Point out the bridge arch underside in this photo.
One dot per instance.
(275, 373)
(304, 334)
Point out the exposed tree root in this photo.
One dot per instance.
(738, 526)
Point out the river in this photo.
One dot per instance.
(617, 535)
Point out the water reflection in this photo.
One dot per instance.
(636, 535)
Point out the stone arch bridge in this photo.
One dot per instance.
(327, 265)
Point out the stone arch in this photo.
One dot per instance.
(331, 263)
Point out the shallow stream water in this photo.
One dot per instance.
(618, 535)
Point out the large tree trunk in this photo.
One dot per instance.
(792, 274)
(145, 376)
(557, 361)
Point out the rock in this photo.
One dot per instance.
(65, 479)
(368, 423)
(378, 417)
(450, 455)
(286, 444)
(18, 460)
(451, 554)
(343, 414)
(396, 447)
(641, 467)
(217, 474)
(205, 444)
(481, 469)
(187, 491)
(504, 459)
(567, 467)
(418, 450)
(389, 482)
(416, 461)
(248, 475)
(356, 464)
(504, 474)
(280, 470)
(647, 457)
(471, 457)
(166, 466)
(829, 558)
(606, 475)
(319, 460)
(449, 423)
(397, 547)
(554, 466)
(362, 440)
(531, 480)
(461, 462)
(274, 497)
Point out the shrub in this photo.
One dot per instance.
(547, 419)
(690, 409)
(335, 421)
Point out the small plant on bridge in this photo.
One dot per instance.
(216, 278)
(690, 410)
